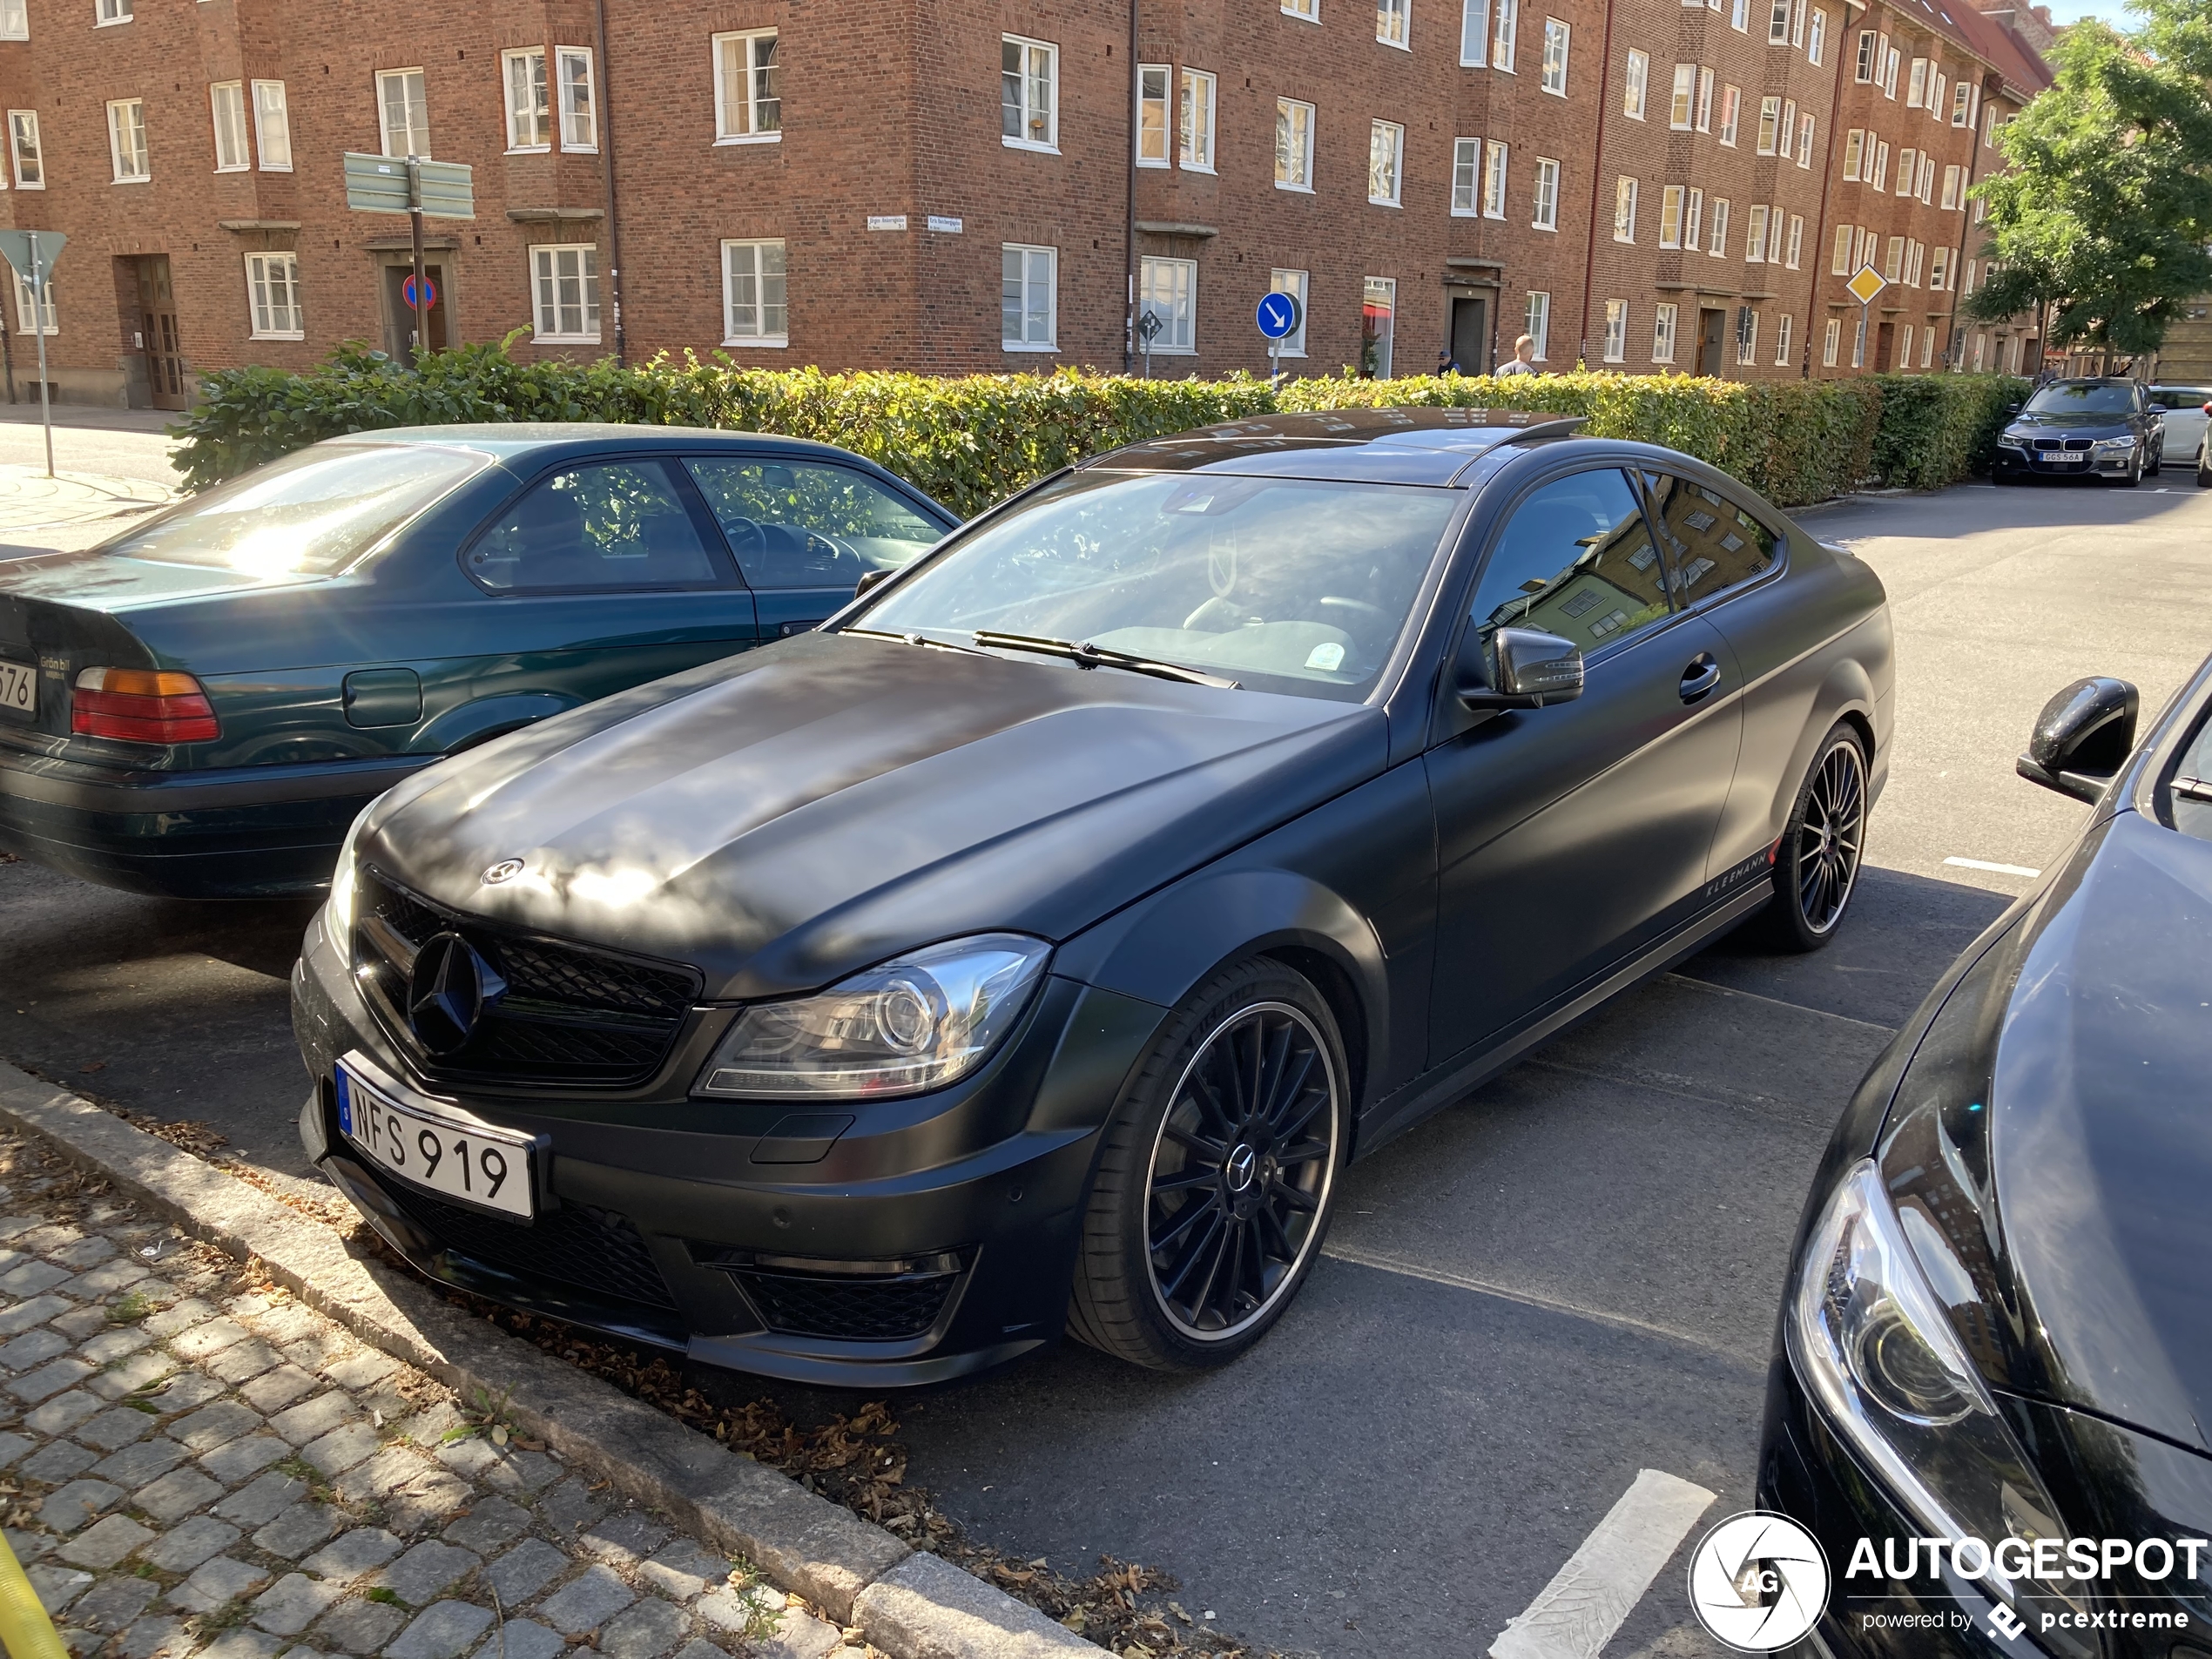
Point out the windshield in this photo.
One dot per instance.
(1281, 584)
(2082, 397)
(309, 514)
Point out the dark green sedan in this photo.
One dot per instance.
(200, 706)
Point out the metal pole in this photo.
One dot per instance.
(1275, 362)
(415, 223)
(1866, 335)
(8, 352)
(38, 328)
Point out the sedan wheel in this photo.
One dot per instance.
(1816, 870)
(1216, 1181)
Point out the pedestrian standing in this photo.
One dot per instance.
(1524, 358)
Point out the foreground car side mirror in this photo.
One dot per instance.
(2011, 408)
(1522, 668)
(868, 581)
(2082, 738)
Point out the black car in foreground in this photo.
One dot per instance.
(1033, 947)
(1997, 1332)
(2104, 429)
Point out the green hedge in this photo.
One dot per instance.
(971, 440)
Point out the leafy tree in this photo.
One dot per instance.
(2100, 225)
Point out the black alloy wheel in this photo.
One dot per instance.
(1216, 1179)
(1815, 869)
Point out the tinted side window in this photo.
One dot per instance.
(2192, 787)
(802, 524)
(1715, 544)
(617, 524)
(1575, 559)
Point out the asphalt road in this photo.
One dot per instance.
(1568, 1278)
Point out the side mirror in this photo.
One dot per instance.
(2082, 738)
(2011, 408)
(1521, 668)
(868, 581)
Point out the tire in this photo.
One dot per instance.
(2133, 476)
(2204, 468)
(1810, 904)
(1181, 1189)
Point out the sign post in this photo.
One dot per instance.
(33, 252)
(1865, 288)
(1148, 327)
(421, 189)
(1277, 318)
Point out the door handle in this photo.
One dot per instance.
(1702, 674)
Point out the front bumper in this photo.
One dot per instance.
(232, 833)
(933, 1237)
(2039, 463)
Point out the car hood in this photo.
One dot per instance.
(788, 816)
(2061, 424)
(2075, 1202)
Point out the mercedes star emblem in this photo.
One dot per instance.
(452, 988)
(505, 870)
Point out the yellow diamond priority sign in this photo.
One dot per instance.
(1868, 283)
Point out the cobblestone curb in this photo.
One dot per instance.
(908, 1606)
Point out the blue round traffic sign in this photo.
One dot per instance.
(1278, 315)
(427, 289)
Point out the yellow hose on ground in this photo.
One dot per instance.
(24, 1624)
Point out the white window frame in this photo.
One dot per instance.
(1864, 64)
(49, 319)
(1670, 207)
(1778, 23)
(1495, 163)
(1795, 251)
(1846, 244)
(1385, 147)
(1558, 36)
(108, 12)
(1304, 11)
(271, 126)
(1474, 34)
(579, 117)
(1832, 343)
(1197, 91)
(1381, 292)
(121, 125)
(546, 268)
(1783, 330)
(744, 45)
(756, 249)
(1805, 125)
(1693, 220)
(1962, 99)
(1298, 284)
(1635, 83)
(1817, 39)
(1916, 83)
(1754, 234)
(15, 20)
(1625, 191)
(1467, 178)
(1747, 336)
(1907, 159)
(1505, 34)
(1939, 268)
(1951, 175)
(1854, 154)
(1928, 346)
(1732, 114)
(1536, 321)
(1718, 246)
(385, 77)
(1393, 22)
(1030, 255)
(1031, 53)
(1925, 193)
(227, 108)
(1616, 348)
(1155, 83)
(1739, 16)
(20, 122)
(265, 319)
(1891, 60)
(1544, 199)
(1908, 337)
(1180, 313)
(1683, 103)
(1769, 124)
(1880, 177)
(1289, 126)
(1797, 25)
(1665, 318)
(530, 130)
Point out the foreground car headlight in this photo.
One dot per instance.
(345, 883)
(1872, 1345)
(2011, 441)
(2119, 446)
(903, 1028)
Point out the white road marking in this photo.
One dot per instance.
(1578, 1613)
(1996, 869)
(1718, 989)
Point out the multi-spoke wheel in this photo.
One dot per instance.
(1215, 1182)
(1815, 869)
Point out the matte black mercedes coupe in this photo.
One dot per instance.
(1031, 948)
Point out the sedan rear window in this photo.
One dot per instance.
(310, 514)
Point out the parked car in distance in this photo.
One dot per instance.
(200, 706)
(1988, 1333)
(2183, 408)
(1036, 944)
(2106, 428)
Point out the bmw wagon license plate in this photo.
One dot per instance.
(2065, 460)
(19, 687)
(464, 1161)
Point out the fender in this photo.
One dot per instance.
(487, 717)
(1845, 689)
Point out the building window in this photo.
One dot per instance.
(1546, 217)
(1864, 66)
(1755, 235)
(1663, 334)
(1295, 284)
(15, 20)
(1308, 10)
(568, 291)
(1377, 326)
(1678, 109)
(755, 307)
(1385, 159)
(271, 126)
(1916, 83)
(1390, 22)
(1747, 335)
(1503, 33)
(1028, 298)
(1950, 189)
(1804, 141)
(127, 137)
(1739, 16)
(1890, 60)
(1905, 159)
(1294, 144)
(1770, 119)
(1928, 346)
(1474, 33)
(1782, 341)
(1718, 246)
(1880, 176)
(108, 11)
(1893, 259)
(1704, 99)
(1693, 216)
(1029, 93)
(1854, 153)
(1194, 121)
(1778, 24)
(1905, 342)
(1633, 88)
(1617, 331)
(747, 107)
(1168, 289)
(1939, 268)
(1152, 118)
(1961, 103)
(529, 101)
(1624, 209)
(1981, 346)
(1554, 76)
(272, 294)
(403, 110)
(23, 140)
(1537, 323)
(1493, 180)
(1797, 25)
(228, 100)
(1926, 192)
(1670, 216)
(579, 111)
(1831, 342)
(1817, 39)
(46, 323)
(1797, 241)
(1467, 178)
(1732, 113)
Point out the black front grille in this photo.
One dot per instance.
(2047, 445)
(571, 1014)
(577, 1245)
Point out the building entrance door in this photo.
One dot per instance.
(166, 386)
(1884, 343)
(402, 314)
(1471, 335)
(1709, 326)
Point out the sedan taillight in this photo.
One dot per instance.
(142, 705)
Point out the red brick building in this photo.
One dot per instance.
(1638, 183)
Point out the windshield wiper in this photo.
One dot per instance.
(1088, 656)
(915, 639)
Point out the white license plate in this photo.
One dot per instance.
(2065, 461)
(19, 687)
(462, 1162)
